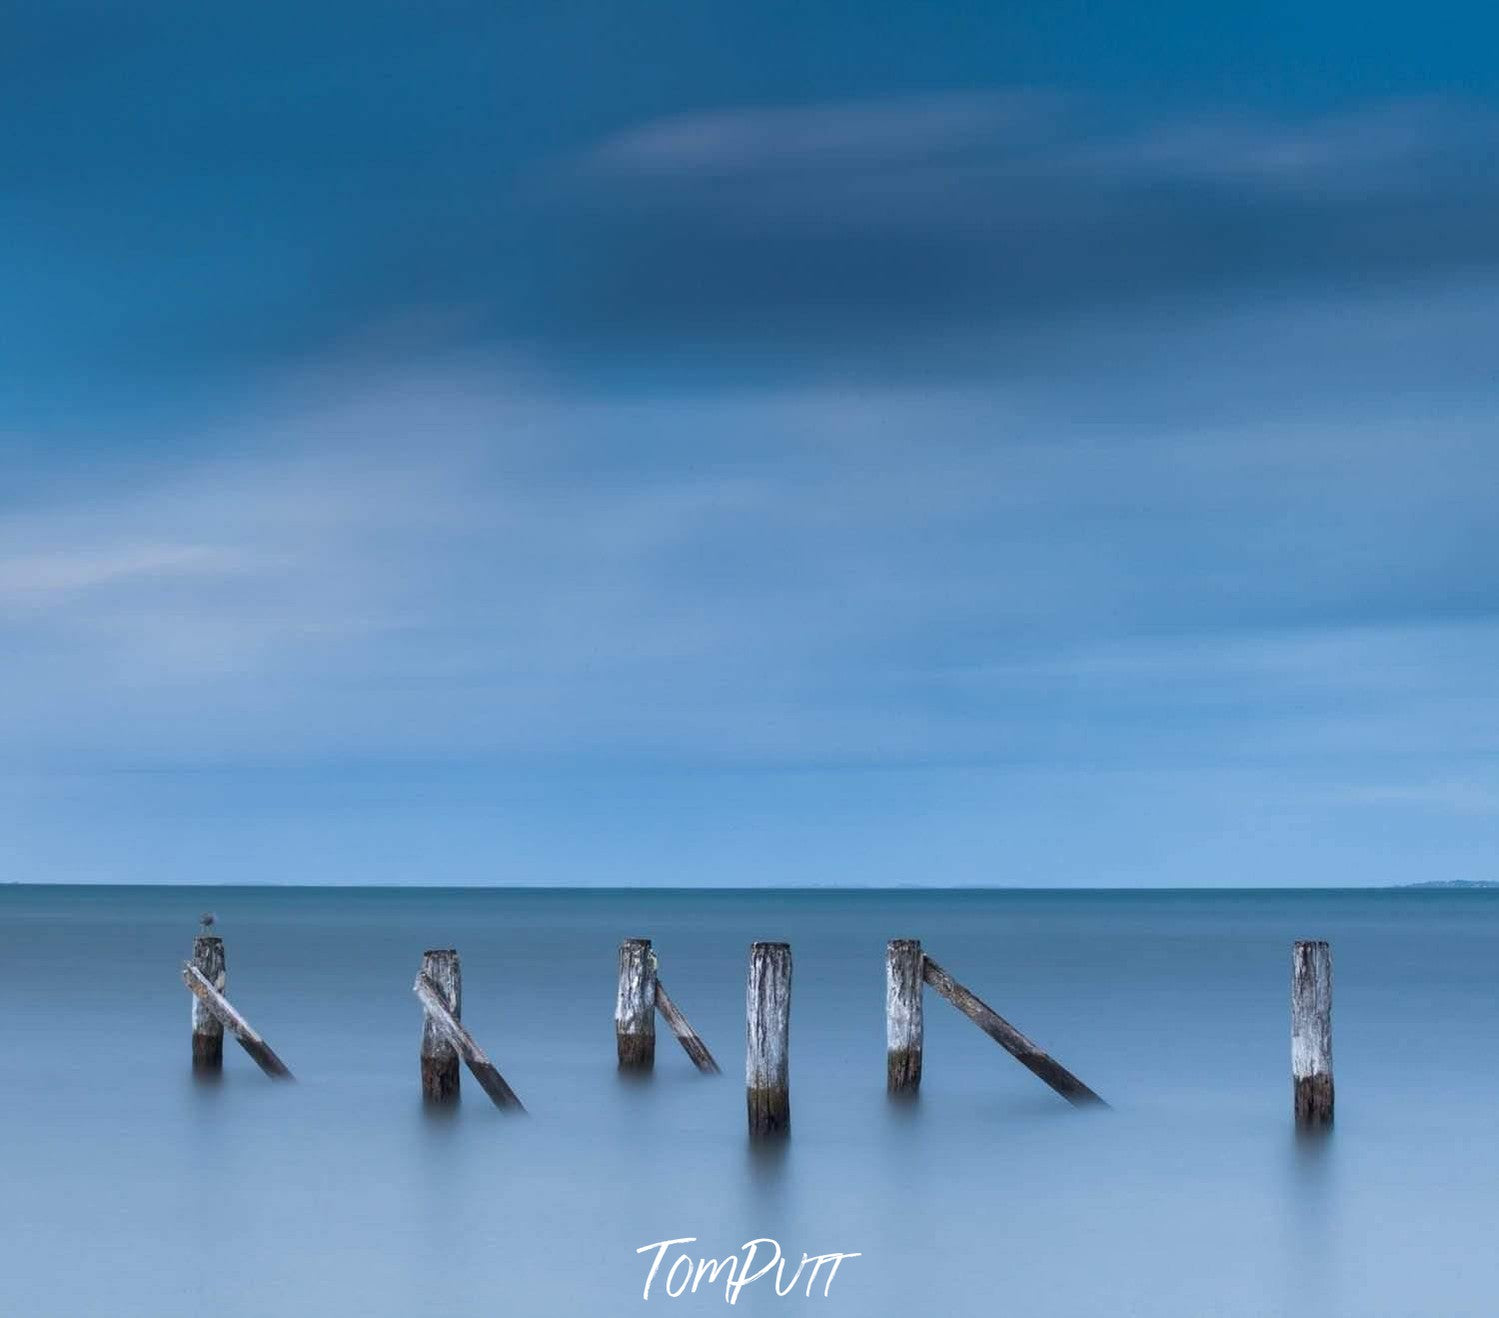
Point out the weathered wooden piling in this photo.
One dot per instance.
(439, 1059)
(767, 1068)
(483, 1070)
(694, 1047)
(208, 1030)
(903, 1020)
(1311, 1033)
(237, 1025)
(1034, 1059)
(635, 1006)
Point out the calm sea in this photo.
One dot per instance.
(130, 1189)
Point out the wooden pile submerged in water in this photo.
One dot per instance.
(213, 1013)
(907, 969)
(641, 995)
(445, 1041)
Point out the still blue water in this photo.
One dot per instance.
(130, 1189)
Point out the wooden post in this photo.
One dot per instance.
(1311, 1033)
(249, 1040)
(484, 1071)
(686, 1035)
(635, 1006)
(208, 1030)
(767, 1069)
(903, 1022)
(439, 1059)
(1037, 1062)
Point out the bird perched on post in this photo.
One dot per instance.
(207, 918)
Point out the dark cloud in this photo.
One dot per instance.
(853, 230)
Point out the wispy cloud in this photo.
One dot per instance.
(41, 578)
(1036, 136)
(1409, 147)
(445, 560)
(851, 135)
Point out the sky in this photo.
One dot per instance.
(694, 443)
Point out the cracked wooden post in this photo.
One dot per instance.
(208, 1030)
(1311, 1033)
(903, 1021)
(635, 1006)
(439, 1059)
(767, 1068)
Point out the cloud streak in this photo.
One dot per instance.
(40, 579)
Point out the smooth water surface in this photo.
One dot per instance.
(131, 1189)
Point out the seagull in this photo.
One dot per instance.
(207, 919)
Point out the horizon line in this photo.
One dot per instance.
(1430, 886)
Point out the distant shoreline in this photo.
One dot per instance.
(1461, 884)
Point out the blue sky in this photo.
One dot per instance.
(1046, 445)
